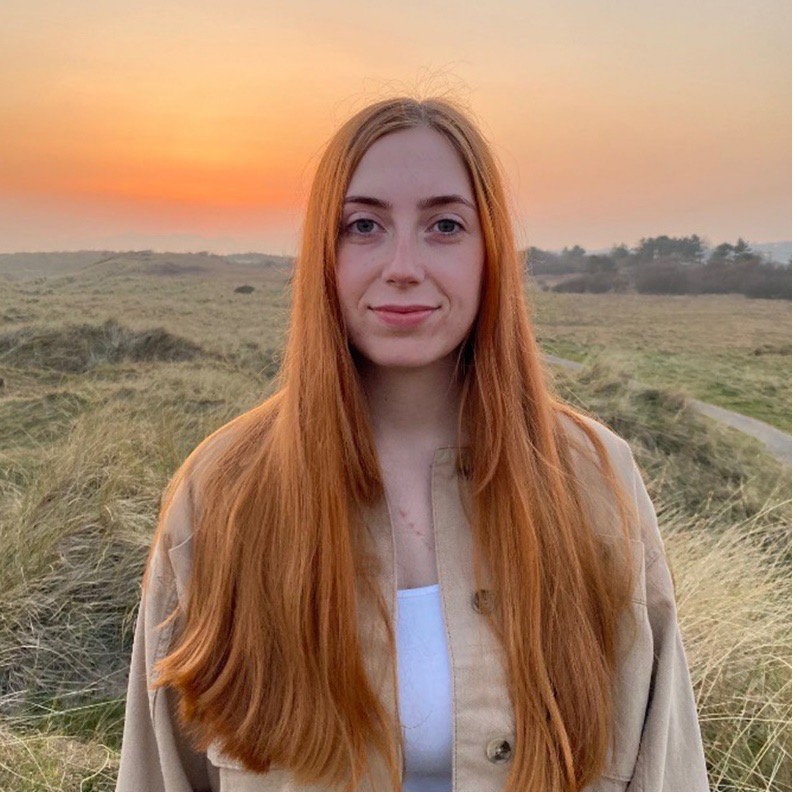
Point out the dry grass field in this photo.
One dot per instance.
(112, 373)
(727, 350)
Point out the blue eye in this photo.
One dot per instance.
(361, 226)
(451, 226)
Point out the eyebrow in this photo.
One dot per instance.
(424, 204)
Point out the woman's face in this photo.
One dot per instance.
(410, 251)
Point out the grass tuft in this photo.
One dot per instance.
(77, 348)
(734, 600)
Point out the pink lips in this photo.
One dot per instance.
(403, 316)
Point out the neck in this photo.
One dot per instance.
(413, 407)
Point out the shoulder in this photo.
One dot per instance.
(581, 431)
(171, 554)
(181, 500)
(584, 435)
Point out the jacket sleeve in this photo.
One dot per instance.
(156, 755)
(670, 754)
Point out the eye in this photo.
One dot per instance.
(362, 227)
(448, 226)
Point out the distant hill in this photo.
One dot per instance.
(159, 264)
(30, 265)
(259, 259)
(36, 265)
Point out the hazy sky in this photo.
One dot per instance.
(188, 125)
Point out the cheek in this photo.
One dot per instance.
(345, 280)
(350, 287)
(351, 269)
(474, 287)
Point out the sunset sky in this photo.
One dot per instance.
(187, 125)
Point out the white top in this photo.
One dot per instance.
(424, 684)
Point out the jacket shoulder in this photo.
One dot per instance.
(181, 505)
(581, 433)
(182, 498)
(589, 474)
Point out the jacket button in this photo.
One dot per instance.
(499, 751)
(483, 601)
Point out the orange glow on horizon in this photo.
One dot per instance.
(611, 123)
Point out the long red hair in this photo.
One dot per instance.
(268, 661)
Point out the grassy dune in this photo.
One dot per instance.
(111, 378)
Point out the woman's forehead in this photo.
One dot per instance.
(418, 162)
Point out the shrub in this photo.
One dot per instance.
(596, 282)
(662, 278)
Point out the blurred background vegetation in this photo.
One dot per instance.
(664, 265)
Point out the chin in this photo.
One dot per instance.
(409, 355)
(399, 362)
(409, 365)
(405, 360)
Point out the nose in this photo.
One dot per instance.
(404, 262)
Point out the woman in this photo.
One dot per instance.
(412, 566)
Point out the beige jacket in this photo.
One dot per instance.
(657, 747)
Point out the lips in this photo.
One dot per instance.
(403, 316)
(404, 308)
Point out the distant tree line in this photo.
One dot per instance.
(665, 265)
